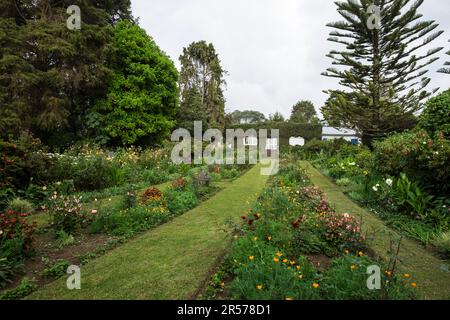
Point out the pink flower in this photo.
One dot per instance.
(94, 211)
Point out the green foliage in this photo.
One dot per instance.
(417, 155)
(20, 205)
(180, 202)
(247, 117)
(66, 213)
(50, 75)
(25, 288)
(382, 95)
(442, 242)
(201, 83)
(57, 270)
(8, 269)
(304, 112)
(435, 118)
(64, 239)
(143, 95)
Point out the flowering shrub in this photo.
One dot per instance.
(179, 184)
(14, 226)
(342, 230)
(417, 155)
(66, 212)
(151, 194)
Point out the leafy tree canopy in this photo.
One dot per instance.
(143, 96)
(304, 112)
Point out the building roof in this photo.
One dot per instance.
(333, 131)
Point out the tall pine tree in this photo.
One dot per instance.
(201, 83)
(382, 68)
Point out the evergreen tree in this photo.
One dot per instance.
(143, 96)
(201, 83)
(247, 116)
(383, 71)
(50, 75)
(447, 63)
(304, 112)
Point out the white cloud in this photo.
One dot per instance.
(273, 50)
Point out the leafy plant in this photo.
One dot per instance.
(58, 269)
(20, 205)
(25, 288)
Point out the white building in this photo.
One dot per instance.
(332, 133)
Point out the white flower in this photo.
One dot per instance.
(389, 182)
(375, 188)
(1, 232)
(44, 188)
(352, 164)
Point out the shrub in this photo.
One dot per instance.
(129, 200)
(151, 194)
(417, 155)
(180, 202)
(16, 235)
(179, 184)
(20, 205)
(58, 269)
(436, 115)
(66, 212)
(25, 288)
(442, 242)
(8, 269)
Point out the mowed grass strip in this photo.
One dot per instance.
(428, 271)
(171, 261)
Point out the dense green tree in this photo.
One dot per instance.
(447, 63)
(383, 70)
(247, 116)
(201, 83)
(50, 75)
(142, 98)
(435, 117)
(276, 117)
(304, 112)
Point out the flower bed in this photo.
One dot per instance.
(292, 245)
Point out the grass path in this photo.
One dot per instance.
(433, 281)
(171, 261)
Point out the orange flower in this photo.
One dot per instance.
(389, 273)
(276, 260)
(414, 285)
(279, 254)
(285, 260)
(406, 275)
(259, 287)
(251, 258)
(315, 285)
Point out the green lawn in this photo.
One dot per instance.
(433, 282)
(171, 261)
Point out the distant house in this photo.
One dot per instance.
(332, 133)
(296, 141)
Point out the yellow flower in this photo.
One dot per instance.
(315, 285)
(276, 260)
(289, 298)
(255, 238)
(222, 284)
(353, 267)
(259, 287)
(279, 254)
(347, 252)
(269, 238)
(251, 258)
(298, 267)
(360, 254)
(300, 276)
(406, 275)
(414, 285)
(292, 263)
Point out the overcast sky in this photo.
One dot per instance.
(274, 50)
